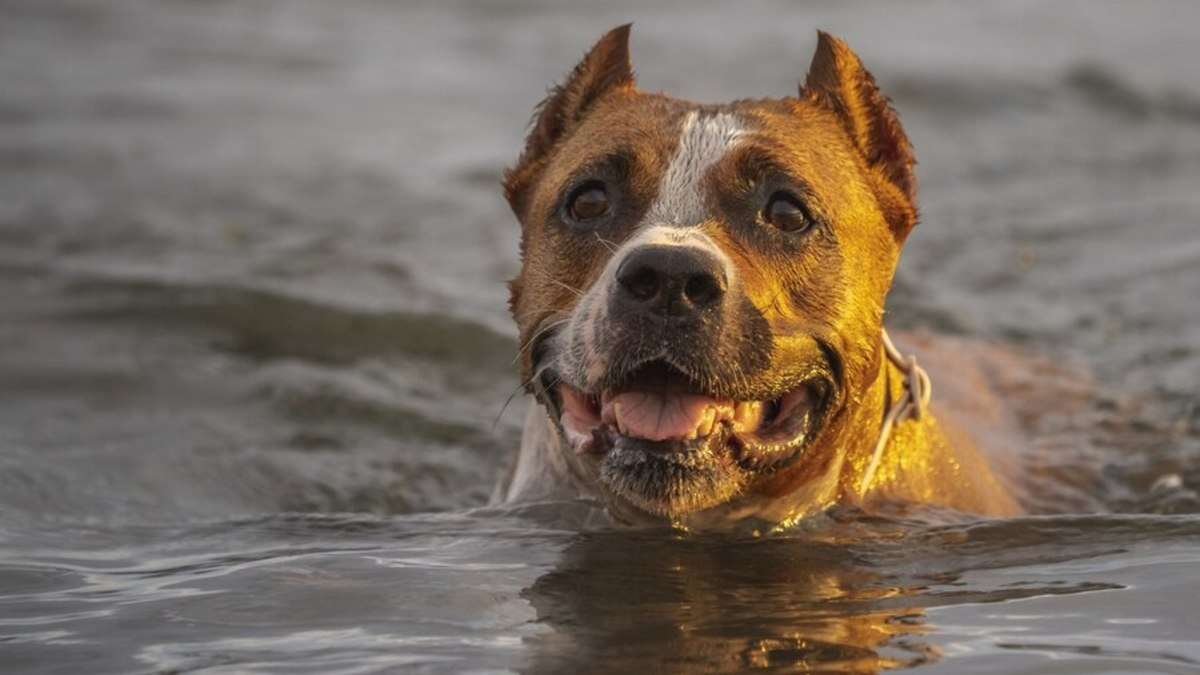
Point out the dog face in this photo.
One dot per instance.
(702, 286)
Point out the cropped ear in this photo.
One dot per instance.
(605, 68)
(838, 78)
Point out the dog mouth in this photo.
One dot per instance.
(669, 446)
(659, 404)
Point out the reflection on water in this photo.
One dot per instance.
(254, 345)
(854, 594)
(537, 590)
(692, 604)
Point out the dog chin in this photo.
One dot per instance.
(672, 478)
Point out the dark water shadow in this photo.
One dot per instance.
(617, 602)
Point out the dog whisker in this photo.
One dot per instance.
(570, 288)
(551, 279)
(612, 247)
(533, 380)
(541, 331)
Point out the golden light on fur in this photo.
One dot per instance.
(798, 317)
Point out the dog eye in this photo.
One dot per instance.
(588, 202)
(785, 211)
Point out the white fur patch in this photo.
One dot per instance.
(703, 140)
(660, 235)
(680, 206)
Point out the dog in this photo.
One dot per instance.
(701, 299)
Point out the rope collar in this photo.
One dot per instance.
(912, 403)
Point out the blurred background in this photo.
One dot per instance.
(252, 266)
(253, 252)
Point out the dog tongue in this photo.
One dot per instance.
(660, 416)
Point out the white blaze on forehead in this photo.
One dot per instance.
(704, 139)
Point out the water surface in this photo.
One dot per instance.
(254, 353)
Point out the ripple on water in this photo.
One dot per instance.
(513, 589)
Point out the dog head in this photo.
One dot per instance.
(702, 286)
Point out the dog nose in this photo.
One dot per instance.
(675, 281)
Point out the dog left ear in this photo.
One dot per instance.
(838, 78)
(606, 67)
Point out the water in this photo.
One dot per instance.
(254, 350)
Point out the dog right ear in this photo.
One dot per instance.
(605, 68)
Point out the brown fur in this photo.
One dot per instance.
(842, 141)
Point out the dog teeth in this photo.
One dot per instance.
(742, 417)
(707, 420)
(628, 419)
(616, 408)
(748, 416)
(608, 414)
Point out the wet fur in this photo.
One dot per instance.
(806, 305)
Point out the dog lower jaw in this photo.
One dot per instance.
(667, 480)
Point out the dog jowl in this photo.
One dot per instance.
(702, 286)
